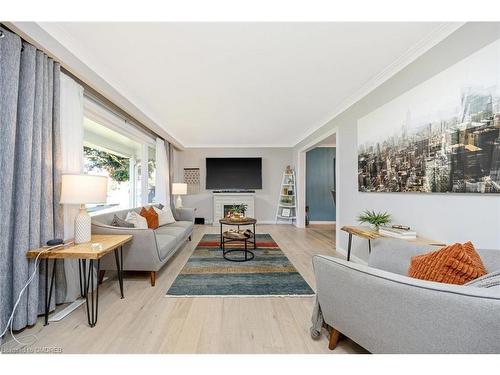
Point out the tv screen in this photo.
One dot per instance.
(234, 173)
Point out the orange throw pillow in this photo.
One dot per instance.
(151, 217)
(453, 264)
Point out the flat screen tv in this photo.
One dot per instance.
(234, 173)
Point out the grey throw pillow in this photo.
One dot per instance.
(489, 280)
(117, 222)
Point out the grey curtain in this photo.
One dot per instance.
(30, 213)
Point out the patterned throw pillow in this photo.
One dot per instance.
(453, 264)
(137, 220)
(117, 222)
(151, 217)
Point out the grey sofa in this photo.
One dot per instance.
(385, 311)
(150, 249)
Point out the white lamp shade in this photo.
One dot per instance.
(83, 188)
(179, 189)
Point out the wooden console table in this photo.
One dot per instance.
(371, 234)
(84, 252)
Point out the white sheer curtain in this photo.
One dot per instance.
(72, 162)
(162, 173)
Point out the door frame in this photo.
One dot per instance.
(300, 157)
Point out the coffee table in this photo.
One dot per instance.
(230, 236)
(238, 223)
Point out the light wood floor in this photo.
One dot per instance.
(148, 322)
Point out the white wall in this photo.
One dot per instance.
(274, 162)
(443, 217)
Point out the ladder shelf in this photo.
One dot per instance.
(287, 205)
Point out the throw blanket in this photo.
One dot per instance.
(317, 320)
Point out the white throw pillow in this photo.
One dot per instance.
(136, 219)
(165, 215)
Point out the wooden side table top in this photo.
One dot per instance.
(245, 221)
(371, 234)
(84, 251)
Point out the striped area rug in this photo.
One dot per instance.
(270, 273)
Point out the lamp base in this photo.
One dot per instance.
(178, 202)
(82, 226)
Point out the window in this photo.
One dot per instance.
(121, 152)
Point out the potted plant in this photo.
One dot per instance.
(376, 219)
(238, 211)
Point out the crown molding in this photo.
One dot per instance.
(414, 52)
(249, 145)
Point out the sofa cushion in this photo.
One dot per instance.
(166, 244)
(182, 224)
(490, 280)
(177, 232)
(186, 226)
(453, 264)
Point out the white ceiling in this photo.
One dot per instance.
(245, 84)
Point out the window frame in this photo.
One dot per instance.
(105, 117)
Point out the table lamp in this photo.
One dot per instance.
(179, 189)
(82, 189)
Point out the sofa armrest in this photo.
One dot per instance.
(184, 214)
(389, 313)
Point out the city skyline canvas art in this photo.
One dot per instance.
(442, 136)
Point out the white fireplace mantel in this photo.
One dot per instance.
(230, 199)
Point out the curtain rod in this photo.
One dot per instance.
(99, 98)
(105, 102)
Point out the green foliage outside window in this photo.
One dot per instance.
(116, 166)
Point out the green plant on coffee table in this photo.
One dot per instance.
(374, 218)
(239, 208)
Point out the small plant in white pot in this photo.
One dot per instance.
(376, 219)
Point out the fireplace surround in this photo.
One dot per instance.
(223, 201)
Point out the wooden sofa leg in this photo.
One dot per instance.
(101, 275)
(153, 278)
(334, 338)
(189, 238)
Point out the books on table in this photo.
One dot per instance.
(397, 232)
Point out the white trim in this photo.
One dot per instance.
(399, 64)
(240, 296)
(244, 145)
(259, 222)
(321, 222)
(301, 176)
(67, 310)
(353, 257)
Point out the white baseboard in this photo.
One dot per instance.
(259, 222)
(67, 310)
(323, 222)
(353, 257)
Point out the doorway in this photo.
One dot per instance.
(320, 184)
(328, 188)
